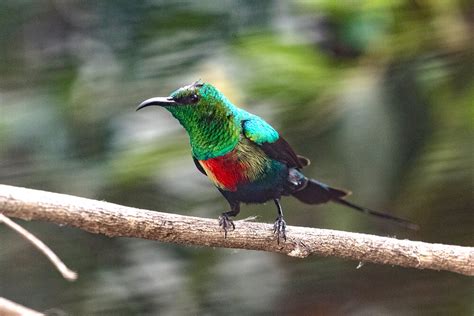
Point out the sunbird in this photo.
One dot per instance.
(245, 157)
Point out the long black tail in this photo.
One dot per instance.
(400, 221)
(316, 193)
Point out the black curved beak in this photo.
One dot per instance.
(159, 101)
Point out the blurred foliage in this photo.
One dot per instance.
(378, 93)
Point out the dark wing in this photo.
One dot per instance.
(275, 146)
(280, 150)
(198, 166)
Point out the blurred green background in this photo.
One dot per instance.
(379, 94)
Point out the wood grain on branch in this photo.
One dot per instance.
(116, 220)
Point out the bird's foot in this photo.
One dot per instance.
(279, 228)
(226, 223)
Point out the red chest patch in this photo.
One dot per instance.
(226, 171)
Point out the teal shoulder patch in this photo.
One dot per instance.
(259, 131)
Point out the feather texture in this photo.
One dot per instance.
(246, 163)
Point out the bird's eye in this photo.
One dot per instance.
(187, 99)
(194, 98)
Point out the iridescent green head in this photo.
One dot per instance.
(212, 122)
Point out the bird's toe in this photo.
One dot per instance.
(226, 223)
(279, 228)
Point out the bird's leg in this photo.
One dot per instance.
(225, 222)
(279, 228)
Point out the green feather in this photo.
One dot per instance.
(214, 124)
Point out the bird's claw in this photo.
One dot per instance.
(226, 223)
(279, 228)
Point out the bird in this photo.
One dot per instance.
(246, 158)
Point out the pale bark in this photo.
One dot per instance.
(116, 220)
(9, 308)
(58, 264)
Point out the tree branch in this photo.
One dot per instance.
(116, 220)
(58, 264)
(9, 308)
